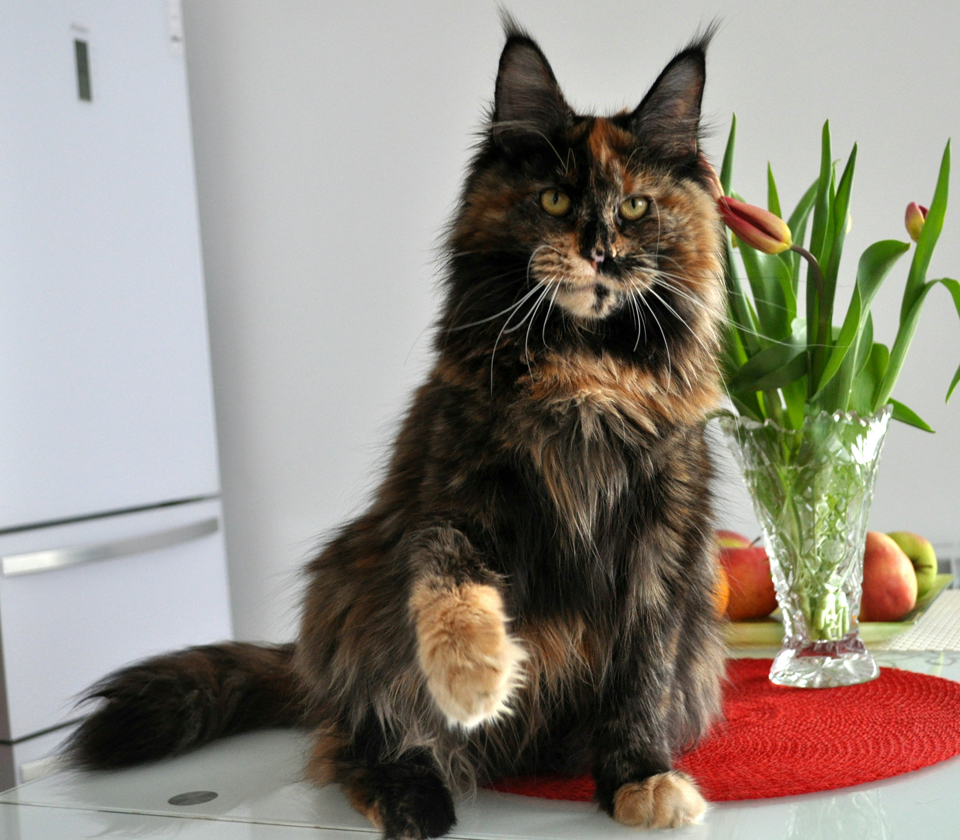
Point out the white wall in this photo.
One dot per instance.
(330, 141)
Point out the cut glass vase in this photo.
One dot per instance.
(811, 490)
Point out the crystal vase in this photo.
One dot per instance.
(811, 490)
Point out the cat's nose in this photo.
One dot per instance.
(596, 256)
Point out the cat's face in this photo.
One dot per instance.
(599, 224)
(605, 229)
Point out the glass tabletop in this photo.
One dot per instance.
(260, 794)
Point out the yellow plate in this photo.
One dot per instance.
(768, 632)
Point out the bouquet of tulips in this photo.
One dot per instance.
(784, 358)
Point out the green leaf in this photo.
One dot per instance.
(865, 346)
(863, 397)
(772, 368)
(901, 344)
(795, 397)
(820, 241)
(853, 364)
(833, 245)
(772, 292)
(747, 409)
(742, 318)
(788, 289)
(735, 354)
(726, 168)
(953, 287)
(953, 384)
(905, 333)
(798, 230)
(798, 218)
(841, 203)
(928, 237)
(783, 368)
(773, 199)
(908, 416)
(821, 210)
(875, 264)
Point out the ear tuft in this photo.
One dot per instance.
(668, 118)
(528, 102)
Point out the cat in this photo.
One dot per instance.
(531, 589)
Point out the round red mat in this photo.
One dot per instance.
(776, 741)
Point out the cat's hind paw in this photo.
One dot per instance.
(667, 800)
(472, 664)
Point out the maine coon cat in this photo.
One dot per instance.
(531, 588)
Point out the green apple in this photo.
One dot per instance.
(922, 556)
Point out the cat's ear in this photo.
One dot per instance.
(668, 119)
(528, 104)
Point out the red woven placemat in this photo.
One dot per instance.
(776, 741)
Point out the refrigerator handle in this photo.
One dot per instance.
(58, 558)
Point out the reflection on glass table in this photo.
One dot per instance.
(260, 794)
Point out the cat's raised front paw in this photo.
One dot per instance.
(471, 663)
(667, 800)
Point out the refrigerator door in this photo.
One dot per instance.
(105, 385)
(126, 587)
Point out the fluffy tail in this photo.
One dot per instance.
(173, 703)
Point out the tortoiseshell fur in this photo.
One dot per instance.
(531, 589)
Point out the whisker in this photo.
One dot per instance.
(546, 317)
(533, 312)
(519, 324)
(516, 305)
(496, 343)
(641, 322)
(710, 354)
(513, 307)
(679, 317)
(666, 344)
(724, 318)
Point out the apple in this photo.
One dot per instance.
(889, 582)
(923, 557)
(731, 539)
(721, 593)
(751, 587)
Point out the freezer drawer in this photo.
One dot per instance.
(65, 624)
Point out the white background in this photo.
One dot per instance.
(330, 143)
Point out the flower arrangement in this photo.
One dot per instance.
(813, 399)
(785, 363)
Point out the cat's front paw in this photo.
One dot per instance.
(667, 800)
(471, 663)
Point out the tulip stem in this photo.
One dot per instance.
(819, 344)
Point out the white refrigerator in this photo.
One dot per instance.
(111, 541)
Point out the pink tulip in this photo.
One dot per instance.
(757, 227)
(916, 216)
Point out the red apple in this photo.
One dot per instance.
(889, 581)
(731, 539)
(751, 587)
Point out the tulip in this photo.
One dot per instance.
(916, 216)
(759, 228)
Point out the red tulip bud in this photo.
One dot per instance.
(916, 216)
(757, 227)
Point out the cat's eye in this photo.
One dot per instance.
(634, 207)
(555, 202)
